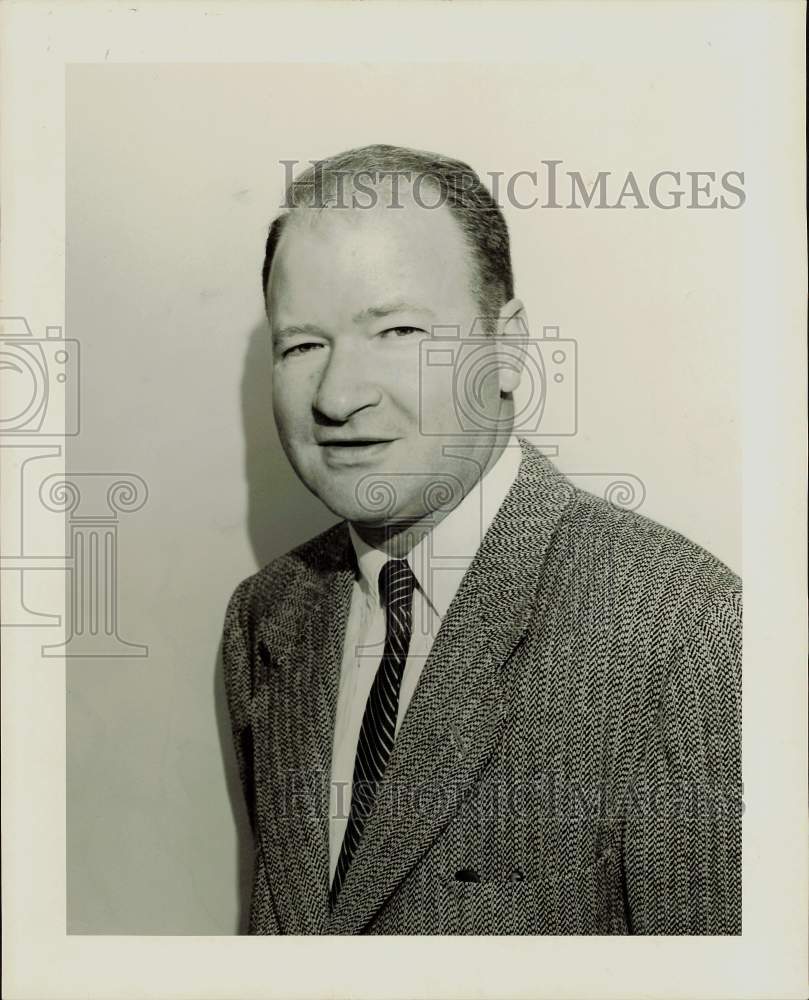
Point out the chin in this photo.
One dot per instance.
(341, 502)
(349, 509)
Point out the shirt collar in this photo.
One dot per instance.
(441, 557)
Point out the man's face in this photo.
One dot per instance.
(352, 295)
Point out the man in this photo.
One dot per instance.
(485, 701)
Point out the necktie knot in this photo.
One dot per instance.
(396, 585)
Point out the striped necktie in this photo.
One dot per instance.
(396, 583)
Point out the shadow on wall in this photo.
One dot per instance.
(281, 514)
(244, 837)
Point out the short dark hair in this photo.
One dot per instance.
(457, 186)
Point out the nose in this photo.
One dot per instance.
(344, 387)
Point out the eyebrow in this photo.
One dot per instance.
(305, 329)
(379, 312)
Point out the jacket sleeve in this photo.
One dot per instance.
(238, 686)
(682, 827)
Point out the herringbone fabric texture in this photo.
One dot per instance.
(574, 741)
(378, 730)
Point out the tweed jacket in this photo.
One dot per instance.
(569, 762)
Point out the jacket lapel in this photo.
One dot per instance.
(299, 654)
(461, 704)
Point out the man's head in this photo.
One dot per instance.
(377, 249)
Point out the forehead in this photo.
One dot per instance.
(351, 256)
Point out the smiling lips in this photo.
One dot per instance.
(353, 442)
(353, 451)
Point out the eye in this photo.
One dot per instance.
(400, 332)
(299, 349)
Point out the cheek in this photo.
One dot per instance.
(435, 393)
(462, 397)
(291, 393)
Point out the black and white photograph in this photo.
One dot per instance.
(401, 404)
(550, 741)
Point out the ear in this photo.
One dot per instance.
(513, 333)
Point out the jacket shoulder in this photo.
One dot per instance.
(277, 586)
(283, 576)
(649, 568)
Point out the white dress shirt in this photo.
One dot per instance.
(438, 561)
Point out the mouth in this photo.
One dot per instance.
(351, 451)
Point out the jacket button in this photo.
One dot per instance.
(517, 875)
